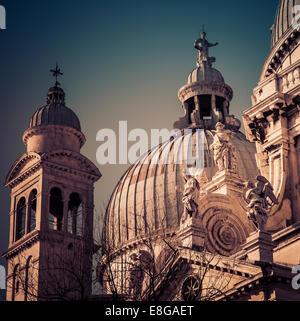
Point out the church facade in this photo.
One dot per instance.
(229, 230)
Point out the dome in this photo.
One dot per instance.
(283, 19)
(55, 112)
(149, 195)
(205, 74)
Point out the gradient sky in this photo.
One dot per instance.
(122, 60)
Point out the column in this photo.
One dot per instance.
(195, 115)
(27, 221)
(65, 215)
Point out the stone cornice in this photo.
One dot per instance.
(258, 118)
(289, 233)
(229, 264)
(225, 178)
(245, 287)
(265, 105)
(199, 88)
(279, 52)
(59, 129)
(87, 170)
(25, 242)
(145, 239)
(49, 236)
(59, 169)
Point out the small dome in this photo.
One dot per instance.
(150, 192)
(283, 19)
(205, 74)
(55, 111)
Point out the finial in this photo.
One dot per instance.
(203, 45)
(56, 73)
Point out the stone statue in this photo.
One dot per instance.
(224, 152)
(260, 198)
(190, 194)
(202, 45)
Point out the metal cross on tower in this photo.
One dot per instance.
(56, 73)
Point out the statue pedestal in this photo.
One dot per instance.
(192, 235)
(259, 247)
(225, 182)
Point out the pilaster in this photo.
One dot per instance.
(192, 234)
(259, 247)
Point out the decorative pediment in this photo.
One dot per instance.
(26, 165)
(72, 162)
(60, 160)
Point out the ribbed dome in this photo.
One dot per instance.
(55, 112)
(206, 74)
(149, 195)
(283, 19)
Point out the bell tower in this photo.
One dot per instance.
(51, 218)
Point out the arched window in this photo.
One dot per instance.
(16, 282)
(28, 278)
(56, 209)
(75, 214)
(21, 218)
(32, 210)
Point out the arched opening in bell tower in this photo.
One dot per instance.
(75, 214)
(56, 209)
(32, 210)
(20, 219)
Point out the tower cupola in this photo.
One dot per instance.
(206, 97)
(54, 126)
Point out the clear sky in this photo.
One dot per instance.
(122, 60)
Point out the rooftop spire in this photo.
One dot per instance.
(56, 73)
(202, 45)
(55, 94)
